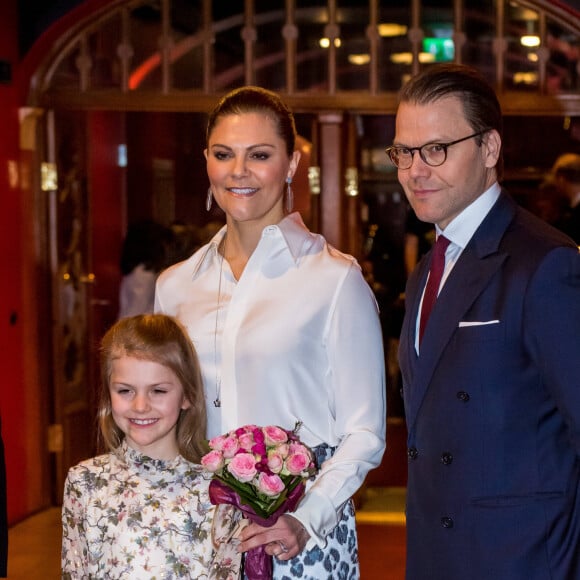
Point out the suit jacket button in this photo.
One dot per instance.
(412, 453)
(446, 458)
(463, 396)
(447, 522)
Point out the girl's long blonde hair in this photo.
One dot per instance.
(161, 339)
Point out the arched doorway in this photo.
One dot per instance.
(133, 79)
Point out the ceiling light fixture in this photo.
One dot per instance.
(389, 29)
(325, 42)
(359, 59)
(530, 41)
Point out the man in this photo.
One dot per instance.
(565, 175)
(492, 391)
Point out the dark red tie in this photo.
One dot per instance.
(432, 288)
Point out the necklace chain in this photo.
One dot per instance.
(218, 380)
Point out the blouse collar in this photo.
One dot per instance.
(291, 227)
(141, 462)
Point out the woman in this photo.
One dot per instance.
(286, 329)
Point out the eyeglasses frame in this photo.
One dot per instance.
(445, 146)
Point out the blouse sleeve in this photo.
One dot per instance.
(357, 380)
(74, 548)
(226, 562)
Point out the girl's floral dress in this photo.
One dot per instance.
(125, 515)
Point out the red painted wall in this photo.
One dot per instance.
(18, 401)
(11, 390)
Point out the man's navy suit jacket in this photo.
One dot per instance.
(492, 407)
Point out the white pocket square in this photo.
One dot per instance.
(465, 323)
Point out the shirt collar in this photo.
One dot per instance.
(461, 229)
(209, 252)
(291, 227)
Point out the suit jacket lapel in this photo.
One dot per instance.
(407, 355)
(477, 264)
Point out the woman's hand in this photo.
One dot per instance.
(284, 540)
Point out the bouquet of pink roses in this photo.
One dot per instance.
(262, 471)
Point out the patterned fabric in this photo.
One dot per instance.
(126, 515)
(339, 559)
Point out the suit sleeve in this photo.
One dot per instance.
(552, 328)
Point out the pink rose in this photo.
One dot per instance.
(243, 467)
(274, 435)
(283, 449)
(217, 443)
(245, 429)
(230, 446)
(275, 461)
(270, 485)
(298, 459)
(213, 461)
(246, 441)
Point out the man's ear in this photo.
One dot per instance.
(492, 148)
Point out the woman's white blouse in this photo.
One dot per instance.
(297, 338)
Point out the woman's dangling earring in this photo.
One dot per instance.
(208, 199)
(289, 195)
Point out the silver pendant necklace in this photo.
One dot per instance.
(218, 380)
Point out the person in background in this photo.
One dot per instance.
(546, 201)
(491, 378)
(384, 269)
(287, 330)
(142, 509)
(146, 251)
(185, 241)
(565, 175)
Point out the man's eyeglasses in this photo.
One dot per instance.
(433, 154)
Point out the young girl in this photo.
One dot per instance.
(142, 510)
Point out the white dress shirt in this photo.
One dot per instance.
(459, 231)
(296, 338)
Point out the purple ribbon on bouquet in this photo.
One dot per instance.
(258, 565)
